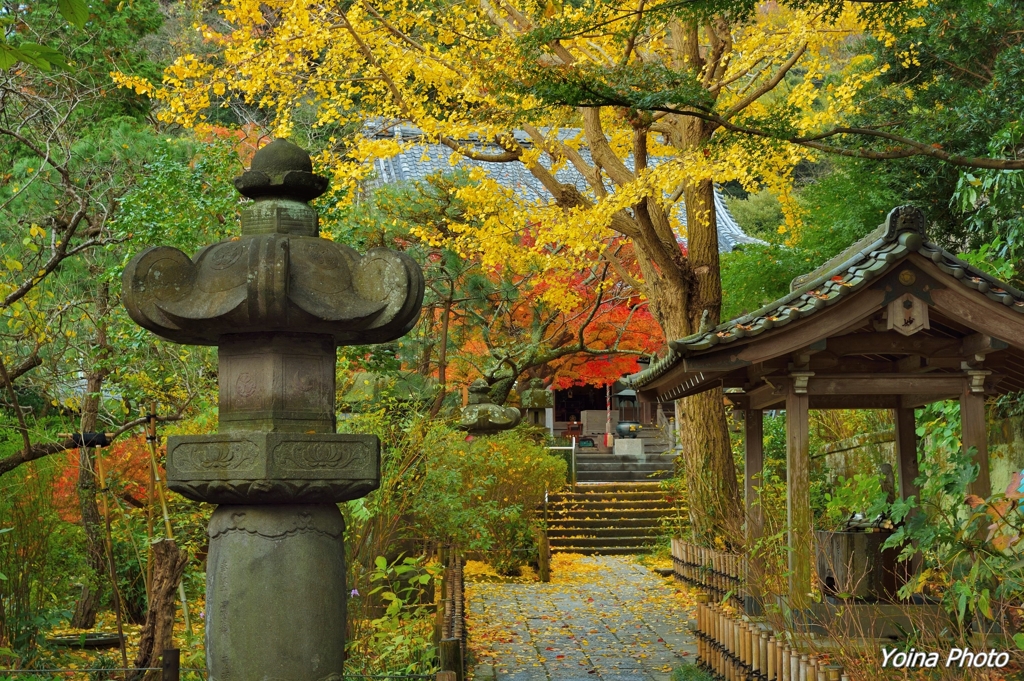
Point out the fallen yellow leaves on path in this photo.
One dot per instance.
(601, 617)
(570, 568)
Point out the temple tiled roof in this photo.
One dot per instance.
(852, 270)
(422, 159)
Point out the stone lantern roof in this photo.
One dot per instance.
(279, 275)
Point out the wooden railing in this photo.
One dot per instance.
(718, 573)
(730, 645)
(451, 612)
(734, 648)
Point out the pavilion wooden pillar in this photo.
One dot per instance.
(753, 470)
(906, 457)
(975, 434)
(906, 451)
(798, 499)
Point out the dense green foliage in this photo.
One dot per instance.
(844, 203)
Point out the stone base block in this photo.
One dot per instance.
(629, 448)
(273, 468)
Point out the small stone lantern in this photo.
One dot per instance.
(481, 416)
(535, 401)
(276, 301)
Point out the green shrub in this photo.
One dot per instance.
(691, 672)
(482, 493)
(397, 637)
(29, 557)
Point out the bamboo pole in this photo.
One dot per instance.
(150, 500)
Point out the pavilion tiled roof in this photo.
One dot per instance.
(903, 233)
(423, 158)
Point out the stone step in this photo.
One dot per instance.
(622, 486)
(601, 550)
(620, 476)
(606, 514)
(597, 524)
(583, 496)
(609, 533)
(615, 517)
(624, 464)
(618, 542)
(622, 468)
(610, 504)
(609, 456)
(655, 493)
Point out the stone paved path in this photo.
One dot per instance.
(609, 618)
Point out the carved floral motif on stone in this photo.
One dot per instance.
(300, 456)
(238, 455)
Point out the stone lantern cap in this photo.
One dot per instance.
(281, 169)
(481, 415)
(279, 275)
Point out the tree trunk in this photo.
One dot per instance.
(158, 632)
(89, 600)
(501, 388)
(442, 359)
(710, 470)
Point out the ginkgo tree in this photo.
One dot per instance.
(651, 103)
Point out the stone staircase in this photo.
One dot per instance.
(656, 440)
(594, 466)
(609, 518)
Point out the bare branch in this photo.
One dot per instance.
(768, 86)
(40, 450)
(631, 41)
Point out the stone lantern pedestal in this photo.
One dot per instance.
(276, 302)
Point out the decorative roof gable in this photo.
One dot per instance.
(840, 279)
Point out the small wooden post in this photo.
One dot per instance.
(972, 423)
(441, 595)
(450, 652)
(171, 664)
(798, 499)
(544, 556)
(753, 422)
(544, 546)
(906, 451)
(446, 676)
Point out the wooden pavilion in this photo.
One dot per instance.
(894, 322)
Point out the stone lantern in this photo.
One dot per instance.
(535, 400)
(481, 416)
(276, 301)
